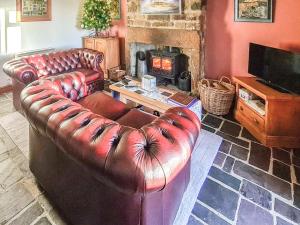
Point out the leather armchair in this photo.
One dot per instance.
(28, 69)
(98, 171)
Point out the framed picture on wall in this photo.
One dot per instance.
(33, 10)
(116, 9)
(160, 7)
(253, 11)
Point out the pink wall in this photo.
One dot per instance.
(227, 41)
(119, 28)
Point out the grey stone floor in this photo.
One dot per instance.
(248, 184)
(21, 201)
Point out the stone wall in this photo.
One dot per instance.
(190, 19)
(185, 31)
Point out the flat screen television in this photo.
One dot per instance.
(277, 68)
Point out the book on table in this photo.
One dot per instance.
(183, 100)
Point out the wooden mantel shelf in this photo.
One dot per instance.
(279, 127)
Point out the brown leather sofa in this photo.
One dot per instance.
(28, 69)
(102, 163)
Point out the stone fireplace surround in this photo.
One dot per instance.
(189, 41)
(185, 31)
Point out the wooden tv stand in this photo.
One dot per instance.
(280, 126)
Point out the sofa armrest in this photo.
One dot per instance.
(91, 59)
(130, 160)
(20, 70)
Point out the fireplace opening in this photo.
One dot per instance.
(164, 62)
(167, 63)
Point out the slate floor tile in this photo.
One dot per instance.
(250, 214)
(30, 215)
(224, 178)
(281, 155)
(297, 195)
(6, 144)
(297, 172)
(209, 129)
(256, 194)
(220, 158)
(282, 170)
(282, 222)
(13, 201)
(232, 129)
(194, 221)
(219, 198)
(260, 156)
(287, 211)
(296, 161)
(230, 116)
(245, 134)
(233, 139)
(296, 152)
(208, 216)
(212, 121)
(228, 164)
(9, 173)
(225, 147)
(6, 107)
(263, 179)
(239, 152)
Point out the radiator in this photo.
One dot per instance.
(34, 52)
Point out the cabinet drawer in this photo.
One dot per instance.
(251, 116)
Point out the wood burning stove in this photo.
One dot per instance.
(166, 64)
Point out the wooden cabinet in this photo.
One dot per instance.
(109, 47)
(280, 126)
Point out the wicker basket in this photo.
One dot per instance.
(116, 74)
(216, 95)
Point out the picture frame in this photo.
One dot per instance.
(116, 11)
(253, 11)
(160, 7)
(34, 10)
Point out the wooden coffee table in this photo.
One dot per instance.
(156, 100)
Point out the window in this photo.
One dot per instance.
(10, 32)
(2, 31)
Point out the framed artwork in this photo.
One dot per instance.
(160, 7)
(33, 10)
(253, 11)
(116, 9)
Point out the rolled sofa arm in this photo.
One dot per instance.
(91, 58)
(20, 70)
(131, 160)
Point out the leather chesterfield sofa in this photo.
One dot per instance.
(28, 69)
(102, 163)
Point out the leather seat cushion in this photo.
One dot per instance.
(104, 105)
(90, 75)
(136, 119)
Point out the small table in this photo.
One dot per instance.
(155, 100)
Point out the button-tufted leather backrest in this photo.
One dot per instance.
(128, 159)
(64, 61)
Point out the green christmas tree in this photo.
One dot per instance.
(96, 15)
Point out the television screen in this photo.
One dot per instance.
(275, 66)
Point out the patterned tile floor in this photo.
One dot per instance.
(248, 184)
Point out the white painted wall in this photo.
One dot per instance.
(61, 32)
